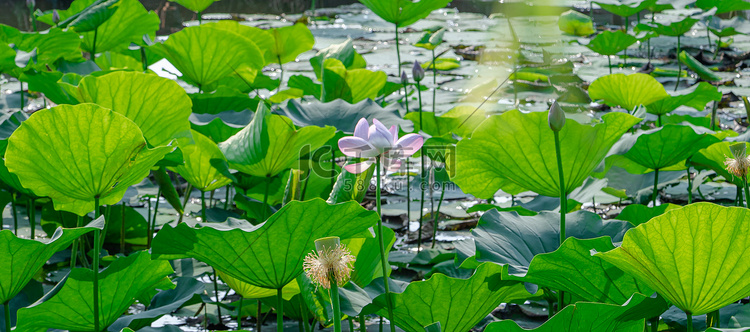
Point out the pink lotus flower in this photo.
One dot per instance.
(378, 141)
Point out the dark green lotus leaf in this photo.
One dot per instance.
(520, 148)
(341, 114)
(403, 12)
(94, 16)
(627, 91)
(205, 54)
(665, 146)
(195, 5)
(458, 304)
(49, 47)
(74, 153)
(289, 42)
(507, 238)
(271, 144)
(21, 259)
(69, 305)
(251, 254)
(696, 256)
(723, 6)
(726, 28)
(576, 23)
(713, 158)
(625, 8)
(222, 100)
(460, 120)
(674, 28)
(221, 126)
(696, 97)
(572, 268)
(198, 169)
(352, 85)
(599, 317)
(637, 214)
(611, 43)
(703, 72)
(159, 106)
(165, 302)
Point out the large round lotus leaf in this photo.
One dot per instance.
(599, 317)
(198, 169)
(205, 55)
(458, 304)
(611, 43)
(262, 38)
(69, 305)
(627, 91)
(521, 148)
(159, 106)
(403, 12)
(21, 259)
(697, 257)
(575, 23)
(269, 255)
(271, 144)
(195, 5)
(74, 153)
(696, 97)
(289, 42)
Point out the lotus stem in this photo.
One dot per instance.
(200, 18)
(713, 115)
(383, 259)
(335, 303)
(435, 218)
(13, 210)
(259, 319)
(408, 192)
(658, 120)
(185, 200)
(280, 312)
(679, 65)
(434, 80)
(380, 324)
(226, 199)
(153, 221)
(362, 323)
(203, 206)
(6, 307)
(406, 100)
(239, 314)
(32, 217)
(281, 73)
(422, 183)
(690, 185)
(656, 184)
(93, 46)
(563, 205)
(689, 322)
(333, 166)
(654, 324)
(95, 266)
(144, 59)
(351, 324)
(216, 292)
(22, 101)
(708, 32)
(149, 230)
(747, 191)
(718, 46)
(609, 60)
(398, 51)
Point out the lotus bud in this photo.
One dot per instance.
(31, 4)
(330, 261)
(556, 117)
(404, 78)
(417, 71)
(739, 162)
(55, 16)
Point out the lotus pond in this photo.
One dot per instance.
(386, 165)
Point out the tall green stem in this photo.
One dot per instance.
(563, 206)
(74, 250)
(95, 266)
(239, 315)
(351, 324)
(714, 110)
(690, 186)
(408, 192)
(747, 191)
(280, 311)
(679, 65)
(203, 206)
(13, 210)
(200, 18)
(226, 199)
(32, 217)
(259, 318)
(93, 46)
(383, 259)
(421, 204)
(609, 60)
(362, 323)
(185, 201)
(435, 218)
(654, 324)
(6, 307)
(656, 184)
(23, 102)
(434, 80)
(281, 74)
(398, 52)
(216, 293)
(689, 322)
(335, 303)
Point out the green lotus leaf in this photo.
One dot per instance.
(205, 54)
(625, 8)
(352, 85)
(675, 28)
(723, 6)
(431, 39)
(341, 114)
(576, 23)
(159, 106)
(520, 147)
(343, 52)
(703, 72)
(403, 12)
(460, 120)
(220, 127)
(270, 144)
(262, 38)
(289, 42)
(713, 157)
(442, 64)
(696, 256)
(198, 169)
(572, 268)
(195, 5)
(51, 46)
(599, 317)
(249, 291)
(222, 100)
(94, 16)
(110, 61)
(251, 254)
(730, 27)
(665, 146)
(21, 259)
(611, 43)
(627, 91)
(69, 305)
(74, 153)
(637, 214)
(458, 304)
(507, 238)
(696, 97)
(367, 267)
(165, 302)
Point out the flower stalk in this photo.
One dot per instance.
(556, 121)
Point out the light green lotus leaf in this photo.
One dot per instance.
(627, 91)
(576, 23)
(696, 97)
(198, 169)
(289, 42)
(195, 5)
(611, 43)
(403, 12)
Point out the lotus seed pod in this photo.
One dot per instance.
(327, 243)
(738, 149)
(556, 117)
(417, 71)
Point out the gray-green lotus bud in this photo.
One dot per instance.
(556, 117)
(55, 16)
(404, 78)
(417, 71)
